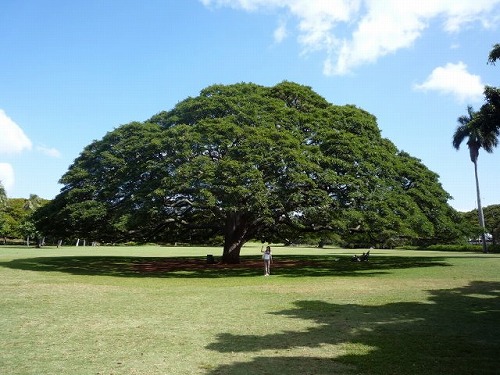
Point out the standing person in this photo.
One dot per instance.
(268, 258)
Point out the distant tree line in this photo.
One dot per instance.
(16, 218)
(492, 223)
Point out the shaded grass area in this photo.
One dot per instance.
(196, 267)
(319, 313)
(455, 333)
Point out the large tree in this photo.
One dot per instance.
(477, 138)
(242, 162)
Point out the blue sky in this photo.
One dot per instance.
(70, 71)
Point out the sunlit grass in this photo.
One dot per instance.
(90, 311)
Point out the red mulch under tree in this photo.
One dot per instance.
(175, 264)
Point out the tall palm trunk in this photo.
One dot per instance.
(480, 210)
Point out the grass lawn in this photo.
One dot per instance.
(159, 310)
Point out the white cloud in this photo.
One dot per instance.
(280, 33)
(248, 5)
(6, 176)
(454, 79)
(12, 137)
(376, 27)
(49, 151)
(463, 12)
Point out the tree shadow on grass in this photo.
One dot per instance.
(456, 332)
(197, 267)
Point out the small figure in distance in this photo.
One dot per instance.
(268, 258)
(363, 258)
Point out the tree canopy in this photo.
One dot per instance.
(488, 116)
(242, 162)
(494, 54)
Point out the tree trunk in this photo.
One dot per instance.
(235, 236)
(480, 210)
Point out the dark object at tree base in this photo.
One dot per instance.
(210, 259)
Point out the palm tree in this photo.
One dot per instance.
(4, 225)
(3, 194)
(32, 203)
(494, 54)
(470, 126)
